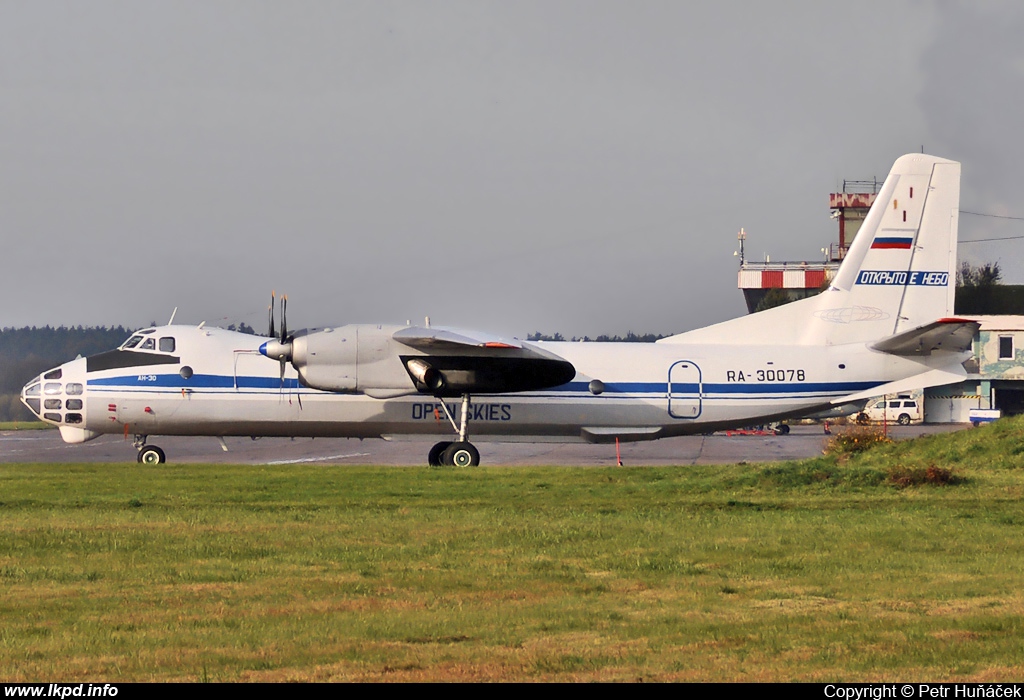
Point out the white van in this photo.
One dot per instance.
(902, 410)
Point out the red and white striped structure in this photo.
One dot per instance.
(784, 276)
(803, 279)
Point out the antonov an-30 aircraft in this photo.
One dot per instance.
(884, 325)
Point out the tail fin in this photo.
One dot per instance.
(899, 273)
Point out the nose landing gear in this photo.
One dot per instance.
(461, 453)
(148, 454)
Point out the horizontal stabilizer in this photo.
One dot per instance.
(433, 338)
(935, 377)
(947, 334)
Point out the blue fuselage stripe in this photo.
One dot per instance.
(196, 381)
(215, 381)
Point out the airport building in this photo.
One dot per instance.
(996, 378)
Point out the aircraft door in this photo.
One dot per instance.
(249, 365)
(685, 390)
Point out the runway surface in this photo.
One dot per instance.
(720, 448)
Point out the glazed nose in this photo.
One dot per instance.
(30, 396)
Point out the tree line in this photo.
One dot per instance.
(27, 352)
(630, 337)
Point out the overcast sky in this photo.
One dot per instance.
(580, 167)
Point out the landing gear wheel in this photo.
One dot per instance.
(436, 454)
(904, 419)
(151, 455)
(781, 429)
(461, 454)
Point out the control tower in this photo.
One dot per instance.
(798, 280)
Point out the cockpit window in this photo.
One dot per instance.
(167, 345)
(53, 374)
(74, 389)
(51, 388)
(32, 390)
(149, 344)
(132, 342)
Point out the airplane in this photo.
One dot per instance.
(884, 325)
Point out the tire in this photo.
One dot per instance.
(904, 419)
(151, 455)
(461, 454)
(862, 419)
(781, 429)
(436, 454)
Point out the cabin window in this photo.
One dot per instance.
(1006, 347)
(73, 418)
(74, 404)
(150, 344)
(74, 389)
(53, 374)
(51, 388)
(167, 345)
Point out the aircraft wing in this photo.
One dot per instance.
(436, 338)
(455, 362)
(947, 334)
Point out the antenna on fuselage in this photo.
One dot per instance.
(172, 316)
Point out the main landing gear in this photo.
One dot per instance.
(460, 453)
(148, 454)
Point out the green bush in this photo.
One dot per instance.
(855, 440)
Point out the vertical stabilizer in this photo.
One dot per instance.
(899, 273)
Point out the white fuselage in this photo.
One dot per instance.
(216, 383)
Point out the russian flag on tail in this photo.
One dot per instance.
(891, 243)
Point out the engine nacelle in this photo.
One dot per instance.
(351, 359)
(368, 359)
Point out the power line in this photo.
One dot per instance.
(985, 240)
(992, 216)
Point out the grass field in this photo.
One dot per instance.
(838, 568)
(26, 425)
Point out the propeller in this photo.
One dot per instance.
(279, 347)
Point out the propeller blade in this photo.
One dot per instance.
(270, 312)
(284, 318)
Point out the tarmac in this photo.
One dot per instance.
(804, 441)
